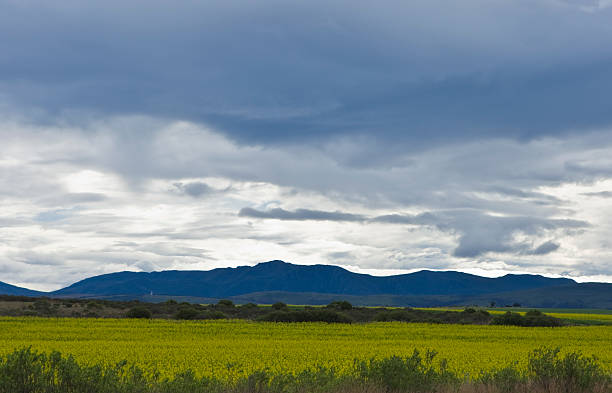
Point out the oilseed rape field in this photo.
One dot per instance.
(233, 348)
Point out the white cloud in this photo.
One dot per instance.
(112, 203)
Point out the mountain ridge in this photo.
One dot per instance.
(304, 284)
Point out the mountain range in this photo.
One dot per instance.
(273, 281)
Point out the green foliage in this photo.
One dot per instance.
(340, 305)
(211, 315)
(532, 318)
(506, 379)
(416, 373)
(139, 312)
(225, 303)
(573, 372)
(279, 306)
(186, 313)
(28, 371)
(315, 315)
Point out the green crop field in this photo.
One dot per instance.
(227, 348)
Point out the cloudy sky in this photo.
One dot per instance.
(384, 137)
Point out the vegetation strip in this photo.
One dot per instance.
(28, 371)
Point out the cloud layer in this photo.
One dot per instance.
(383, 137)
(81, 201)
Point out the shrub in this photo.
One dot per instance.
(225, 303)
(572, 373)
(414, 373)
(186, 313)
(315, 315)
(138, 312)
(279, 306)
(534, 313)
(94, 304)
(506, 379)
(212, 315)
(532, 318)
(340, 305)
(393, 315)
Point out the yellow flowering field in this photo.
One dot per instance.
(227, 348)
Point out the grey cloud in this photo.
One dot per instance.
(478, 233)
(545, 248)
(422, 72)
(194, 189)
(600, 194)
(54, 215)
(420, 219)
(300, 215)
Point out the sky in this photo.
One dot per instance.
(384, 137)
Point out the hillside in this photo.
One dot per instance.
(286, 277)
(8, 289)
(274, 281)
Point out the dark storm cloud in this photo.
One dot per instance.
(425, 72)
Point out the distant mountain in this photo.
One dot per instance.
(8, 289)
(286, 277)
(274, 281)
(585, 295)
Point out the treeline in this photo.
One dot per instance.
(335, 312)
(28, 371)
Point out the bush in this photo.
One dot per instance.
(212, 315)
(340, 305)
(306, 316)
(532, 318)
(279, 306)
(225, 303)
(27, 371)
(415, 373)
(572, 373)
(534, 313)
(186, 313)
(138, 312)
(393, 315)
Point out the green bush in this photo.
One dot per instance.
(315, 315)
(415, 373)
(186, 313)
(212, 315)
(394, 315)
(279, 306)
(340, 305)
(138, 312)
(27, 371)
(225, 303)
(573, 372)
(532, 318)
